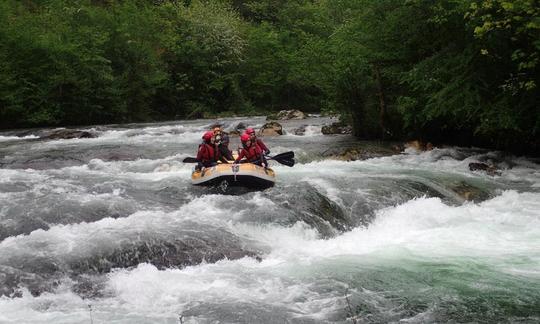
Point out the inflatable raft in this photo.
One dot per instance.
(244, 174)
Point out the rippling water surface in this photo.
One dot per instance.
(110, 230)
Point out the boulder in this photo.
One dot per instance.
(68, 134)
(469, 192)
(350, 154)
(336, 128)
(491, 170)
(300, 130)
(271, 129)
(419, 145)
(290, 114)
(416, 144)
(398, 148)
(240, 126)
(358, 153)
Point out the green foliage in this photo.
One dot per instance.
(448, 70)
(203, 53)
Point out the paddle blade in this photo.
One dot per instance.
(190, 160)
(287, 162)
(285, 155)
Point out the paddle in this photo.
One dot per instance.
(190, 159)
(286, 158)
(287, 162)
(284, 155)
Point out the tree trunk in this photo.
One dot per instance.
(382, 103)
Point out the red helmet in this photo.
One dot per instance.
(250, 131)
(244, 138)
(208, 136)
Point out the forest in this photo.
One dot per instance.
(463, 72)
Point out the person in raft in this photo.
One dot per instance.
(208, 153)
(258, 141)
(251, 152)
(222, 142)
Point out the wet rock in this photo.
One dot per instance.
(358, 153)
(491, 170)
(69, 134)
(12, 279)
(398, 147)
(300, 130)
(419, 145)
(187, 251)
(271, 129)
(323, 208)
(336, 128)
(469, 192)
(317, 210)
(498, 159)
(88, 286)
(42, 274)
(241, 126)
(290, 114)
(236, 130)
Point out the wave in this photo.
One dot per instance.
(17, 138)
(298, 267)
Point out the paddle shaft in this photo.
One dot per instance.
(286, 158)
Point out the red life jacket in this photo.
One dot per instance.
(261, 145)
(207, 153)
(252, 153)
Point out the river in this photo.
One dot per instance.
(110, 230)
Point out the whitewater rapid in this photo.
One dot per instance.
(110, 230)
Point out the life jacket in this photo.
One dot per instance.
(207, 153)
(252, 153)
(260, 143)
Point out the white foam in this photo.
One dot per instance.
(61, 307)
(261, 202)
(16, 138)
(506, 225)
(313, 130)
(327, 188)
(11, 175)
(107, 234)
(498, 229)
(309, 131)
